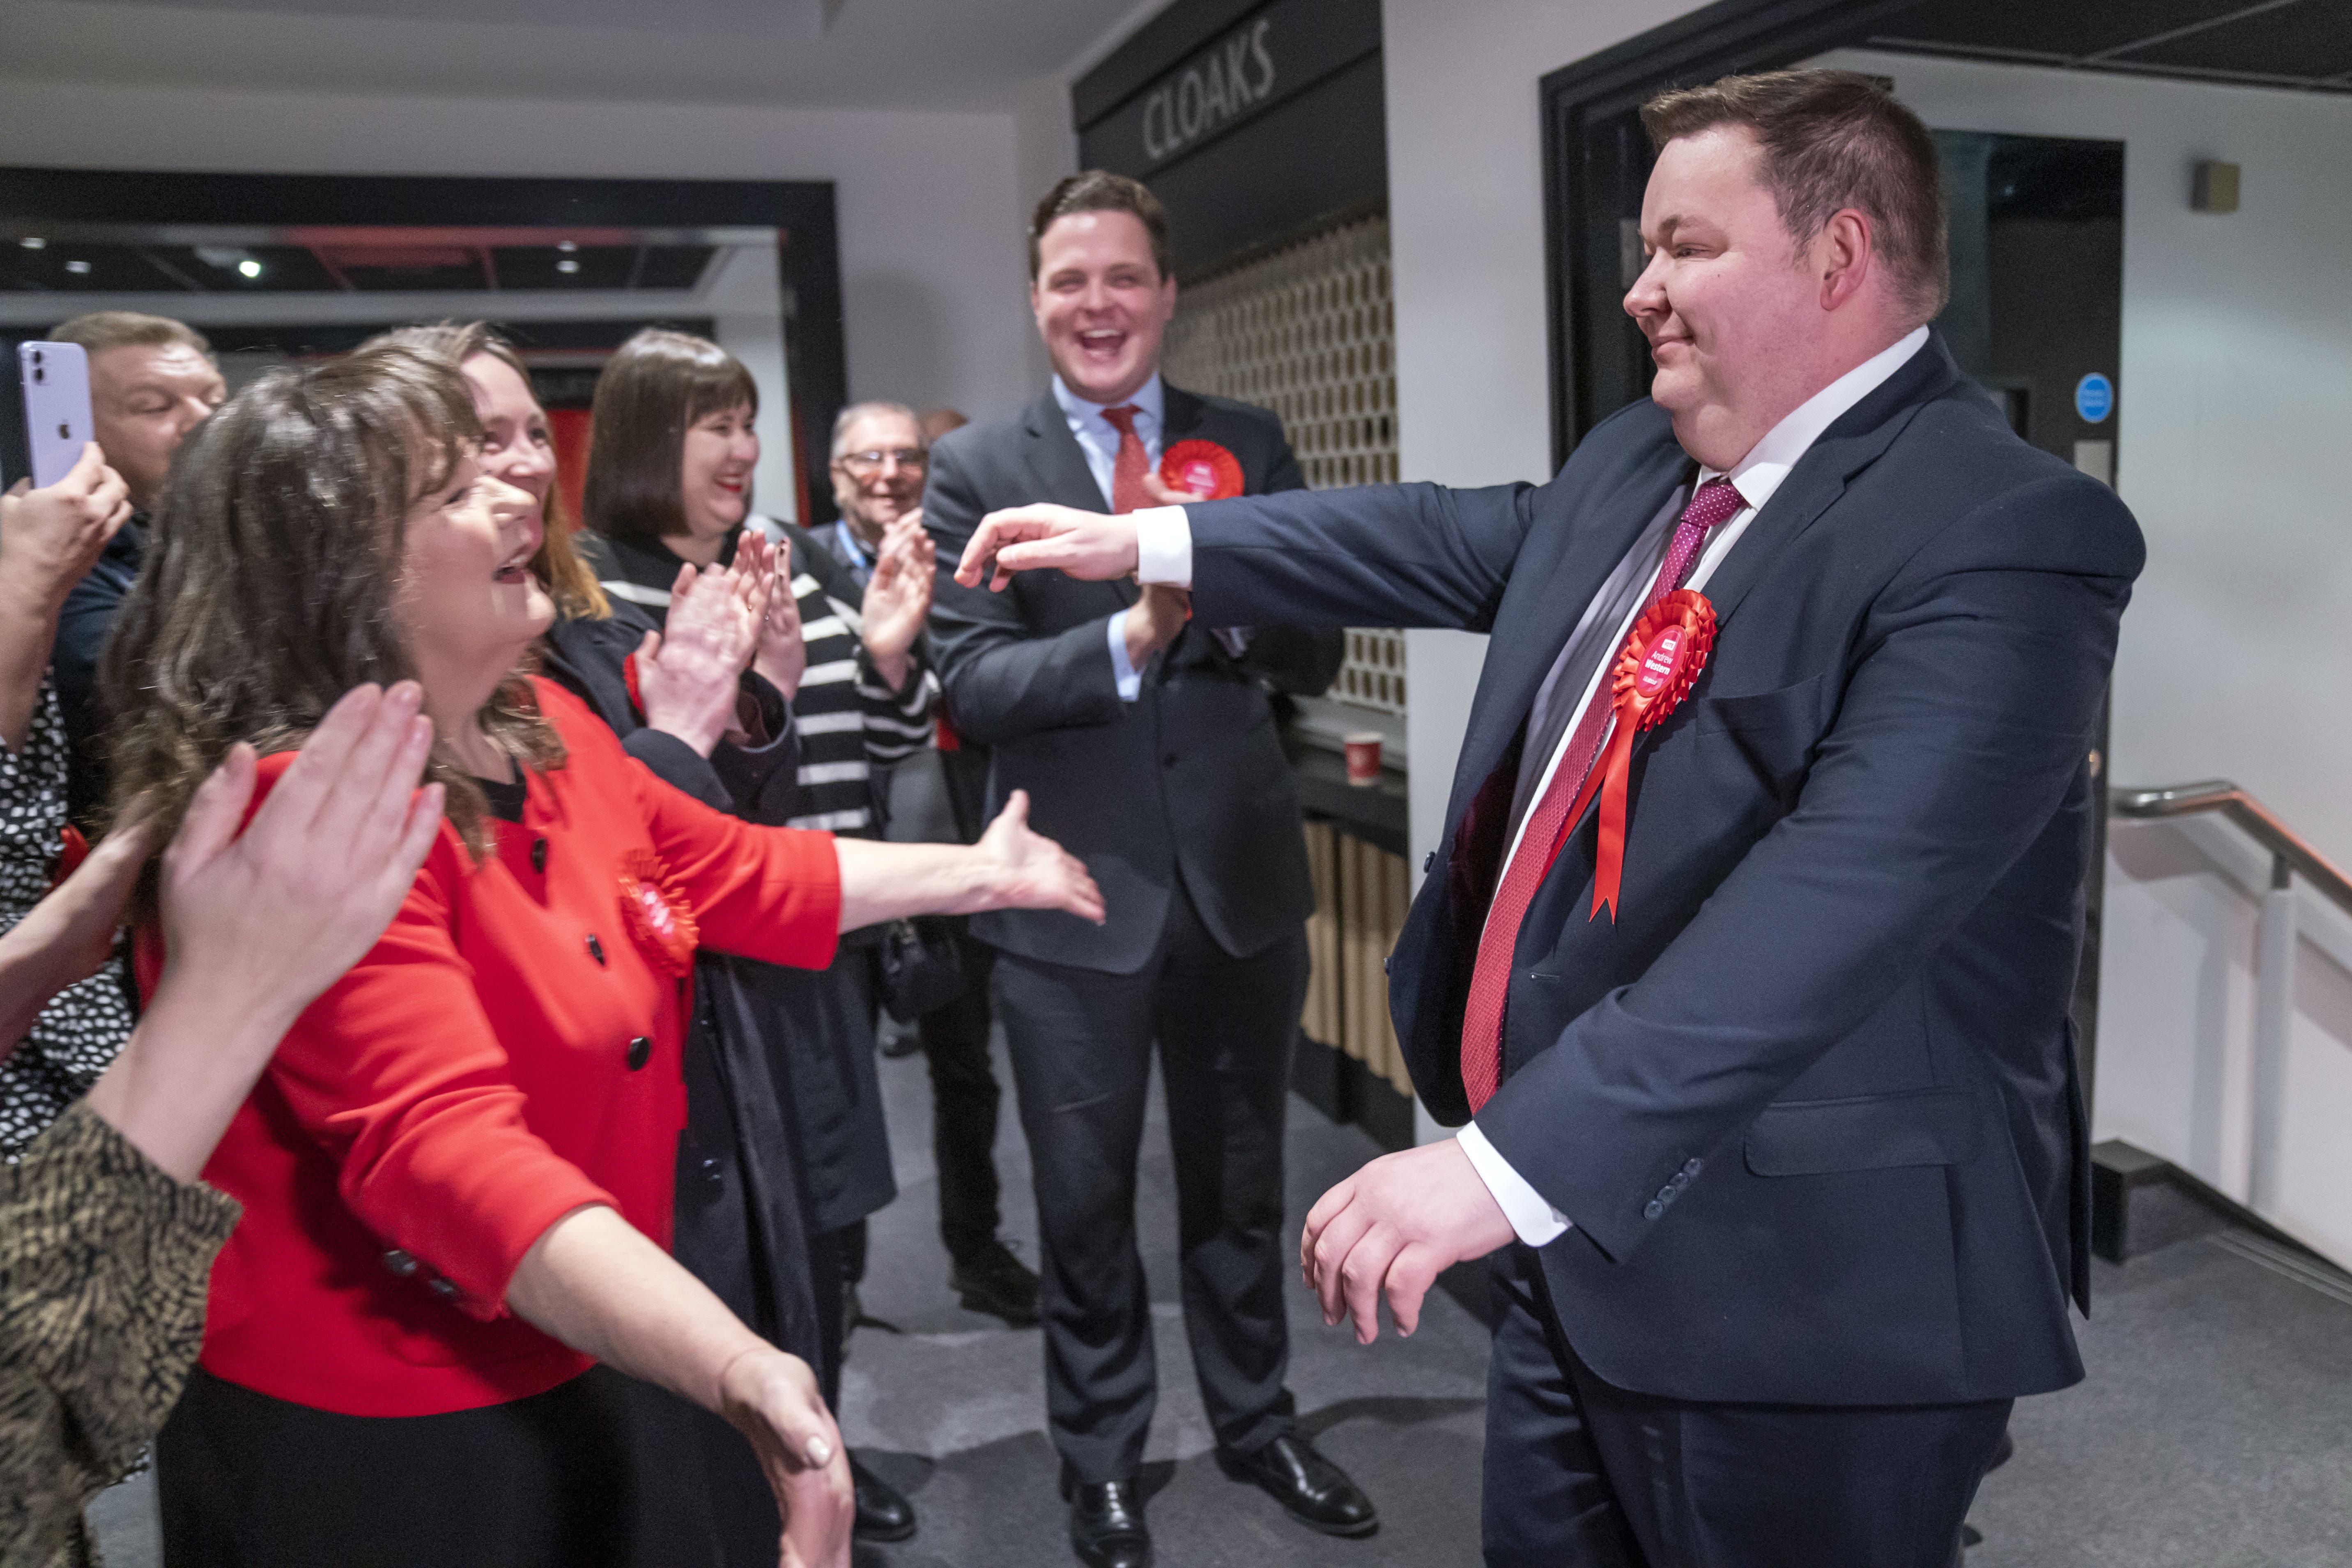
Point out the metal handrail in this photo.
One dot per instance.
(2276, 941)
(2288, 851)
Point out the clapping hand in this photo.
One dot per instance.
(1023, 869)
(898, 596)
(782, 655)
(690, 673)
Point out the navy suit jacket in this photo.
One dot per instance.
(1188, 779)
(1809, 1099)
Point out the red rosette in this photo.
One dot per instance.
(1201, 468)
(660, 916)
(1662, 655)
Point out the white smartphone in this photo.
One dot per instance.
(55, 377)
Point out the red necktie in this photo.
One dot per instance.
(1126, 492)
(1548, 824)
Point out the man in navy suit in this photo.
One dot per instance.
(1784, 1147)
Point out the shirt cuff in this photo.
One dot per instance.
(1163, 546)
(1532, 1218)
(1130, 684)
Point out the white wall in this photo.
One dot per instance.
(1465, 207)
(2235, 400)
(930, 204)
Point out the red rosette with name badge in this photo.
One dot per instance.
(659, 915)
(1201, 468)
(1662, 655)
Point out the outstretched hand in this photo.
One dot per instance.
(1391, 1228)
(1025, 871)
(1086, 544)
(772, 1398)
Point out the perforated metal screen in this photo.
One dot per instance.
(1310, 331)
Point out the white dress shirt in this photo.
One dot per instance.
(1098, 438)
(1164, 555)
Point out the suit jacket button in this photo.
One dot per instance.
(1692, 1168)
(714, 1172)
(400, 1263)
(641, 1050)
(595, 950)
(539, 855)
(443, 1288)
(1666, 1193)
(1169, 760)
(1653, 1209)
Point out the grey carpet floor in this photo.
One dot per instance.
(2214, 1430)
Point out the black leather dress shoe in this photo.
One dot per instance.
(1310, 1489)
(883, 1511)
(1107, 1529)
(994, 1282)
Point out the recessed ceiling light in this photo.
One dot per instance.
(249, 267)
(567, 265)
(567, 246)
(34, 242)
(78, 267)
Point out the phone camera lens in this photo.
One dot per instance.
(38, 373)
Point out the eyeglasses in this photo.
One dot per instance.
(866, 464)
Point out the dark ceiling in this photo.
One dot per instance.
(2302, 44)
(347, 262)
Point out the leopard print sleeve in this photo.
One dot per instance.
(104, 1260)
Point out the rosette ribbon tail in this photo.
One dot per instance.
(1609, 857)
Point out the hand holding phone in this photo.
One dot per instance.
(50, 537)
(57, 423)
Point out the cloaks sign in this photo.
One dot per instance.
(1276, 54)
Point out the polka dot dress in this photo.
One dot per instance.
(87, 1023)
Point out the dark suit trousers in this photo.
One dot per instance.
(964, 1098)
(1580, 1473)
(1081, 1043)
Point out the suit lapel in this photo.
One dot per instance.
(1060, 468)
(1851, 445)
(1567, 590)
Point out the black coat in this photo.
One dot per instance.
(744, 1215)
(1189, 776)
(817, 1027)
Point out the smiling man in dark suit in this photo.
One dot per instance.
(1775, 1121)
(1147, 743)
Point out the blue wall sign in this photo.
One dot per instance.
(2094, 398)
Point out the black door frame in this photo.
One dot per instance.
(801, 212)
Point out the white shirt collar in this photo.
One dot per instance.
(1758, 474)
(1150, 397)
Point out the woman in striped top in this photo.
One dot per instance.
(668, 485)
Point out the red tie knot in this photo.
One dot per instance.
(1717, 502)
(1122, 418)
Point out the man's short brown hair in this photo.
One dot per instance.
(103, 330)
(1098, 191)
(1833, 140)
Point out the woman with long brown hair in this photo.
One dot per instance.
(668, 488)
(456, 1172)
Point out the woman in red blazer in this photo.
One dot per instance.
(456, 1173)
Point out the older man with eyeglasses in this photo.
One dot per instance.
(880, 457)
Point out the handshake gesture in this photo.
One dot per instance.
(1088, 545)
